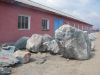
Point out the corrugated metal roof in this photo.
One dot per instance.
(32, 3)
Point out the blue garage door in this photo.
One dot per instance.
(57, 23)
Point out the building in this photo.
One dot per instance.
(23, 18)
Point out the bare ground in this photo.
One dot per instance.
(56, 65)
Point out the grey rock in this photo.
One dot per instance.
(45, 38)
(52, 46)
(92, 36)
(21, 43)
(76, 42)
(7, 58)
(11, 49)
(40, 60)
(5, 70)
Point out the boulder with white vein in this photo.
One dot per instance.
(52, 46)
(76, 43)
(45, 38)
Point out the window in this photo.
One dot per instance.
(45, 24)
(23, 22)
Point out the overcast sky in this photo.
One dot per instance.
(88, 10)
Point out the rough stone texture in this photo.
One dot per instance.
(76, 42)
(7, 58)
(34, 43)
(92, 36)
(45, 38)
(92, 46)
(11, 49)
(22, 56)
(21, 43)
(52, 46)
(5, 71)
(39, 58)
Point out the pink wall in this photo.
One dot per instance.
(9, 21)
(78, 24)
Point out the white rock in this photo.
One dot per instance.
(34, 43)
(92, 36)
(92, 46)
(52, 46)
(46, 38)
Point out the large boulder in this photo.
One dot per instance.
(21, 43)
(34, 43)
(75, 42)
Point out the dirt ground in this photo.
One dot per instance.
(56, 65)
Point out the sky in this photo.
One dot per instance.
(88, 10)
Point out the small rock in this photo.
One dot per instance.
(5, 70)
(40, 60)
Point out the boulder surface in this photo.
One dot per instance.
(76, 42)
(34, 43)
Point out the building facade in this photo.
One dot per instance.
(19, 19)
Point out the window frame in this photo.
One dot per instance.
(29, 21)
(48, 24)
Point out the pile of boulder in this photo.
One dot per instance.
(68, 42)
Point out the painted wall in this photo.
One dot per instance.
(9, 22)
(77, 24)
(58, 22)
